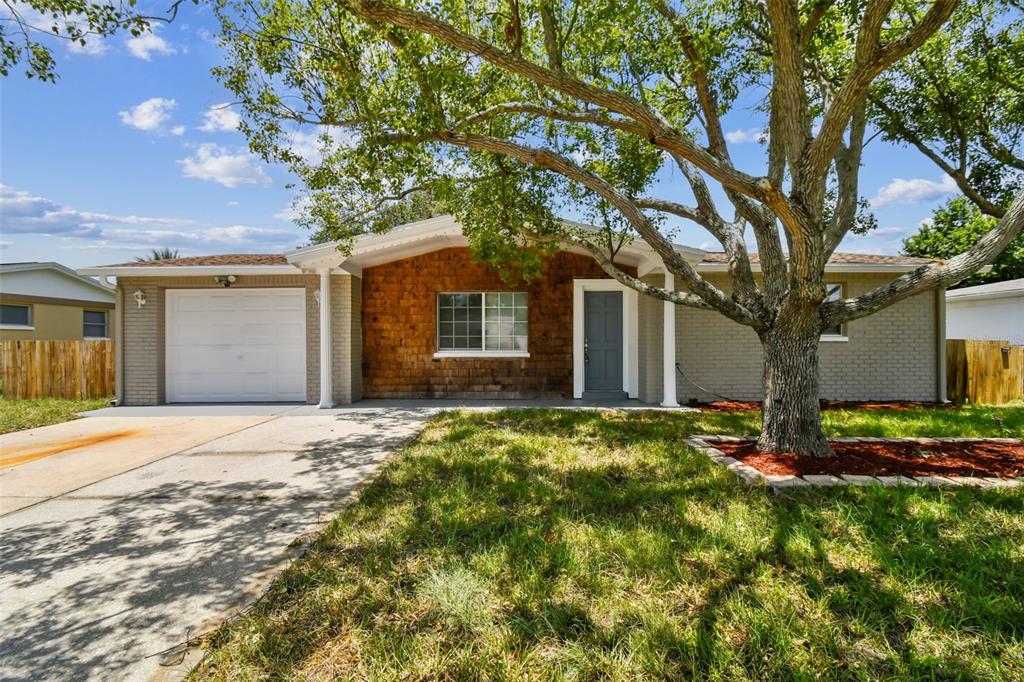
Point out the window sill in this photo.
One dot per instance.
(96, 338)
(23, 327)
(481, 354)
(834, 338)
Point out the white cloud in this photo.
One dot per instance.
(881, 231)
(220, 117)
(218, 164)
(150, 115)
(746, 135)
(145, 45)
(24, 213)
(295, 210)
(178, 130)
(94, 46)
(309, 145)
(912, 191)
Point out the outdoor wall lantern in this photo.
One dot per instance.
(226, 280)
(316, 297)
(140, 297)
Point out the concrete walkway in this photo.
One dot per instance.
(116, 549)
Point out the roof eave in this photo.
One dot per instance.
(187, 270)
(832, 267)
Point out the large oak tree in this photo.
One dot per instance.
(510, 112)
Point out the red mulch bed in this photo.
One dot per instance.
(754, 406)
(908, 458)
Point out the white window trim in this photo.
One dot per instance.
(841, 337)
(106, 325)
(483, 352)
(630, 324)
(31, 318)
(461, 353)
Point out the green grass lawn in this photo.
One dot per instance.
(16, 415)
(542, 544)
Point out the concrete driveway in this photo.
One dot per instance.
(123, 536)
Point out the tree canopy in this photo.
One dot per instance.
(957, 226)
(29, 29)
(512, 113)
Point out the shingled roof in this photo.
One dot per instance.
(225, 259)
(838, 259)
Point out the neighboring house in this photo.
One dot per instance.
(409, 314)
(987, 311)
(48, 301)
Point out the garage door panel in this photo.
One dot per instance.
(236, 345)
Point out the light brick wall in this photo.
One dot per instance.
(346, 339)
(891, 355)
(144, 333)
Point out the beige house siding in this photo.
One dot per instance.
(144, 333)
(54, 321)
(891, 355)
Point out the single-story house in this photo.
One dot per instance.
(409, 314)
(993, 312)
(48, 301)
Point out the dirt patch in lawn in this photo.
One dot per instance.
(755, 406)
(908, 458)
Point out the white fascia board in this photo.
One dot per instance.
(57, 267)
(189, 270)
(837, 267)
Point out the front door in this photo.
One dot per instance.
(602, 340)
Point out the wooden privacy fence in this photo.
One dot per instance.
(57, 369)
(989, 372)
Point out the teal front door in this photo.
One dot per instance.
(602, 341)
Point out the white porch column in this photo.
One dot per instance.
(669, 348)
(326, 390)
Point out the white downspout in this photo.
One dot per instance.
(119, 345)
(326, 390)
(669, 347)
(940, 350)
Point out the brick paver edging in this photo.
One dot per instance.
(780, 483)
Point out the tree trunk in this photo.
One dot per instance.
(792, 413)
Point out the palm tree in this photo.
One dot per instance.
(164, 253)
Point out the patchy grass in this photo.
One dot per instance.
(542, 544)
(17, 415)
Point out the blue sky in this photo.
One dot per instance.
(127, 152)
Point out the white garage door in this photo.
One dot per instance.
(236, 345)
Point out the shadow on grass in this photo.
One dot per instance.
(612, 550)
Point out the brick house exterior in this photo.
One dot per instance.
(370, 327)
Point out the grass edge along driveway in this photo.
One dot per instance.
(20, 414)
(582, 545)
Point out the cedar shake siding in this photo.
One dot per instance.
(400, 329)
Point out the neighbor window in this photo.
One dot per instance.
(94, 324)
(835, 293)
(482, 322)
(15, 315)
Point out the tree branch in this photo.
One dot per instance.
(896, 121)
(871, 59)
(655, 128)
(932, 276)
